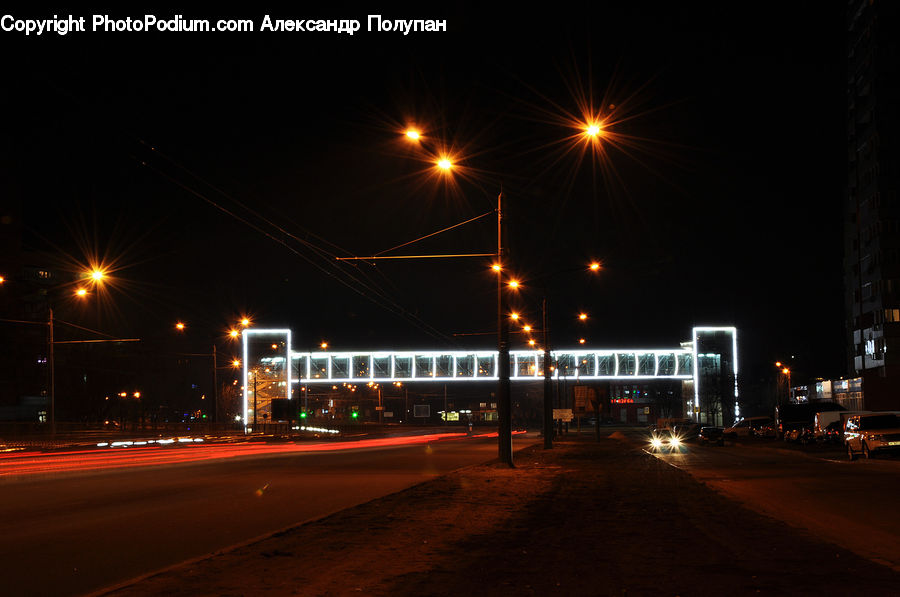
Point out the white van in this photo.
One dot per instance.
(824, 419)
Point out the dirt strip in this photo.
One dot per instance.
(586, 518)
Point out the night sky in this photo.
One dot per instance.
(220, 174)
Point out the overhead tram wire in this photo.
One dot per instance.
(243, 205)
(385, 301)
(327, 256)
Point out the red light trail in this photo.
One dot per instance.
(103, 459)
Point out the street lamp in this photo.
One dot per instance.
(786, 372)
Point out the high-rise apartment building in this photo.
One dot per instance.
(872, 225)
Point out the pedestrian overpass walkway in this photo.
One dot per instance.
(525, 365)
(268, 357)
(708, 363)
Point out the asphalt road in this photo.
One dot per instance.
(66, 533)
(852, 504)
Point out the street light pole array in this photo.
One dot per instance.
(444, 162)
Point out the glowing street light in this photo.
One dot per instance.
(179, 326)
(323, 345)
(581, 340)
(593, 130)
(97, 275)
(234, 333)
(526, 327)
(594, 266)
(582, 316)
(81, 292)
(496, 267)
(514, 284)
(413, 134)
(444, 164)
(787, 375)
(236, 363)
(514, 316)
(245, 321)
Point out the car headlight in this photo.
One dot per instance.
(656, 442)
(674, 441)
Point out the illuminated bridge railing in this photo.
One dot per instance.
(341, 367)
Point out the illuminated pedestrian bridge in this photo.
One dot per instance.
(271, 365)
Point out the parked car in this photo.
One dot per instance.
(802, 434)
(872, 433)
(686, 431)
(832, 434)
(712, 435)
(747, 426)
(766, 430)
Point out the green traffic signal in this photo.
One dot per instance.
(302, 415)
(354, 415)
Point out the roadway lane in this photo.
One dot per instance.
(70, 533)
(853, 504)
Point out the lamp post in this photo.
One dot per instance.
(504, 408)
(97, 276)
(786, 373)
(548, 381)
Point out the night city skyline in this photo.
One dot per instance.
(594, 298)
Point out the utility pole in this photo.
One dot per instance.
(52, 378)
(548, 382)
(215, 387)
(504, 408)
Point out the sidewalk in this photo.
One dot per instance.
(586, 518)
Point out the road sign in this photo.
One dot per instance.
(563, 414)
(585, 396)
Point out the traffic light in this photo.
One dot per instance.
(354, 415)
(303, 415)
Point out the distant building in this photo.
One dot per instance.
(846, 392)
(872, 214)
